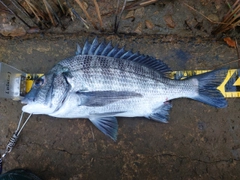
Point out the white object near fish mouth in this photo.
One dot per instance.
(11, 84)
(102, 82)
(37, 109)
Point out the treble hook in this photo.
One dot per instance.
(14, 138)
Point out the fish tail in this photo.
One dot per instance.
(207, 88)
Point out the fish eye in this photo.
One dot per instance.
(39, 81)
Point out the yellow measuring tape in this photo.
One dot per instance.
(230, 87)
(30, 78)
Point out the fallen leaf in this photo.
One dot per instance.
(10, 30)
(139, 12)
(130, 14)
(85, 5)
(213, 17)
(149, 24)
(230, 42)
(138, 30)
(169, 21)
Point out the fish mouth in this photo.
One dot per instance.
(27, 100)
(30, 96)
(37, 109)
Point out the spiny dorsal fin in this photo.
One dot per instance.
(103, 49)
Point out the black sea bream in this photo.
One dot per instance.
(102, 82)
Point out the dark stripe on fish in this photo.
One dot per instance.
(107, 114)
(101, 98)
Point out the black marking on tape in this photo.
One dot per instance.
(230, 87)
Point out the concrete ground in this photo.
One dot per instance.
(199, 142)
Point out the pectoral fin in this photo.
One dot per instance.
(161, 114)
(108, 125)
(101, 98)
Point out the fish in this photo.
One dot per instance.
(102, 82)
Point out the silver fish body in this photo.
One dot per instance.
(102, 82)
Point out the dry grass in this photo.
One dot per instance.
(98, 13)
(118, 15)
(139, 4)
(80, 3)
(11, 11)
(45, 13)
(230, 20)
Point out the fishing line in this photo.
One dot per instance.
(14, 138)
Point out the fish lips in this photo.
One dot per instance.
(33, 108)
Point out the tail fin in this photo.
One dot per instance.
(208, 92)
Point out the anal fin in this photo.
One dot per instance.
(108, 125)
(161, 114)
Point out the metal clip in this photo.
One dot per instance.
(11, 143)
(13, 139)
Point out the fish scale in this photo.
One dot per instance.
(102, 82)
(120, 67)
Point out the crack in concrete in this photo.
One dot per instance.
(230, 160)
(199, 160)
(44, 146)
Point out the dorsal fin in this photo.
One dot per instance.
(103, 49)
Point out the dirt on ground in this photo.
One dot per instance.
(199, 142)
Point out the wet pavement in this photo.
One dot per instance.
(199, 142)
